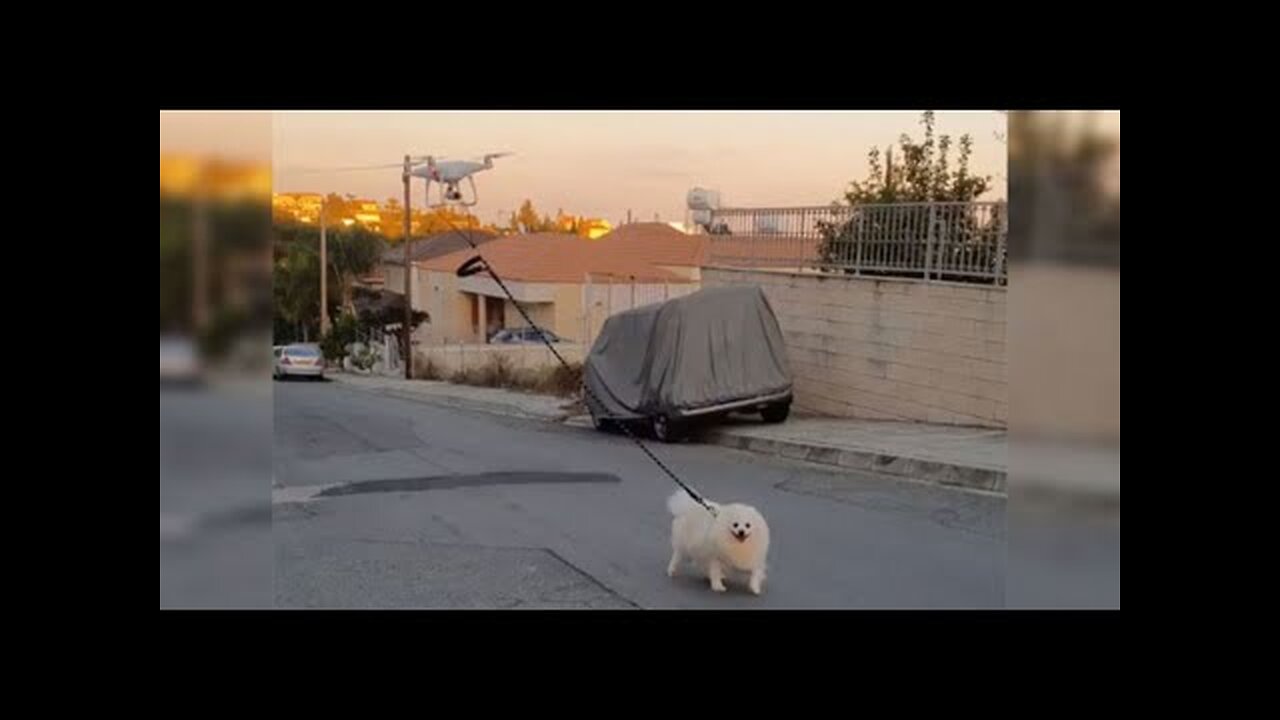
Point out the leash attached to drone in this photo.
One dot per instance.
(477, 265)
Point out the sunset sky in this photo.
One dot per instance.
(590, 163)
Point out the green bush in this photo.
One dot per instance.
(345, 330)
(222, 331)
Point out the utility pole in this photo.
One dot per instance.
(324, 275)
(200, 263)
(408, 266)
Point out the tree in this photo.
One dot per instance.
(237, 232)
(344, 331)
(924, 175)
(1068, 176)
(376, 309)
(296, 292)
(527, 217)
(335, 209)
(175, 265)
(528, 220)
(351, 252)
(392, 220)
(379, 308)
(568, 223)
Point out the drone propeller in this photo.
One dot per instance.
(413, 160)
(351, 168)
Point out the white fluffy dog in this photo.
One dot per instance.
(736, 538)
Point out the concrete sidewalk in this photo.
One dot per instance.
(494, 400)
(972, 458)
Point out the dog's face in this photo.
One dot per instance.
(741, 522)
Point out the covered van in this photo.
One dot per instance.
(697, 356)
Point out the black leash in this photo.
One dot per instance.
(478, 264)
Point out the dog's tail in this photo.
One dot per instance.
(680, 503)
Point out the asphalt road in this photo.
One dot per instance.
(215, 496)
(433, 507)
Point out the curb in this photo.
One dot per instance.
(453, 401)
(936, 472)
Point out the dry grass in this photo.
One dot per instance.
(560, 380)
(425, 369)
(498, 372)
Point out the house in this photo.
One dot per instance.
(566, 283)
(368, 213)
(302, 207)
(390, 272)
(437, 244)
(660, 245)
(595, 229)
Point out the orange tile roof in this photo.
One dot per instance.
(657, 244)
(564, 258)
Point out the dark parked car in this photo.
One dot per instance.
(519, 336)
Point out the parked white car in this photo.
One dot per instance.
(298, 360)
(179, 360)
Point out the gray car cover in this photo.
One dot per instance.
(715, 346)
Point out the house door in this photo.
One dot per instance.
(494, 314)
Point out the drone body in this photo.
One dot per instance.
(448, 174)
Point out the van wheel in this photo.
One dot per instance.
(604, 424)
(667, 430)
(776, 413)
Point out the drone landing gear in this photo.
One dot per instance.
(449, 194)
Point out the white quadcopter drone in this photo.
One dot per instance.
(448, 174)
